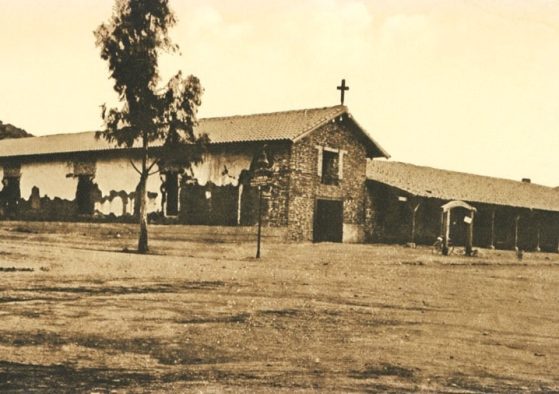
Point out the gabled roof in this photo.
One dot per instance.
(276, 126)
(451, 185)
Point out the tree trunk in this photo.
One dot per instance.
(143, 212)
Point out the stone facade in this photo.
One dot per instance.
(306, 186)
(276, 199)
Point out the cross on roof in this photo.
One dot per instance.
(342, 88)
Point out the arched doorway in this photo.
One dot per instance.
(458, 225)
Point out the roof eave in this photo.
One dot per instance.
(445, 198)
(374, 150)
(342, 110)
(375, 145)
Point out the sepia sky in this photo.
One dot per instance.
(468, 85)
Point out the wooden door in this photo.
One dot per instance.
(328, 221)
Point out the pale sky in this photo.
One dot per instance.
(463, 85)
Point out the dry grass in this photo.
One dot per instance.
(77, 314)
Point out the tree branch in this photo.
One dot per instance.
(152, 164)
(135, 168)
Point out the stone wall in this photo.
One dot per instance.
(306, 186)
(276, 199)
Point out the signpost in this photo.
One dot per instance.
(260, 179)
(259, 182)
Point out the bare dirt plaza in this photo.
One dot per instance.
(79, 314)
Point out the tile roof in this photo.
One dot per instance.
(451, 185)
(276, 126)
(273, 126)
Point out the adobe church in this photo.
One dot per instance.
(328, 182)
(317, 158)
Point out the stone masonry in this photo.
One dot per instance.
(306, 187)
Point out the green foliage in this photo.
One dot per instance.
(130, 42)
(9, 131)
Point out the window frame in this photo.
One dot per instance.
(337, 173)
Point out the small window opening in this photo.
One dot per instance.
(330, 171)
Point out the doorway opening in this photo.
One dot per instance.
(328, 221)
(84, 195)
(172, 193)
(10, 195)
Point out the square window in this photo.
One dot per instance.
(330, 171)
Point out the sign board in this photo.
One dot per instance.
(259, 180)
(467, 219)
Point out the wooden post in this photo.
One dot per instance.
(492, 242)
(538, 233)
(441, 232)
(556, 230)
(259, 222)
(446, 236)
(470, 235)
(413, 217)
(239, 203)
(516, 220)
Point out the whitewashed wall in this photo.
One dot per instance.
(211, 169)
(118, 175)
(50, 178)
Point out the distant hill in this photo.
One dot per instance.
(9, 131)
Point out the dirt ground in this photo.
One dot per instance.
(77, 314)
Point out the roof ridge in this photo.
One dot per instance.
(271, 113)
(275, 126)
(52, 135)
(461, 173)
(215, 118)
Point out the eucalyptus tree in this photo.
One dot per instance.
(158, 119)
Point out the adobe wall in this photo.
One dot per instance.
(209, 197)
(306, 186)
(215, 192)
(48, 187)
